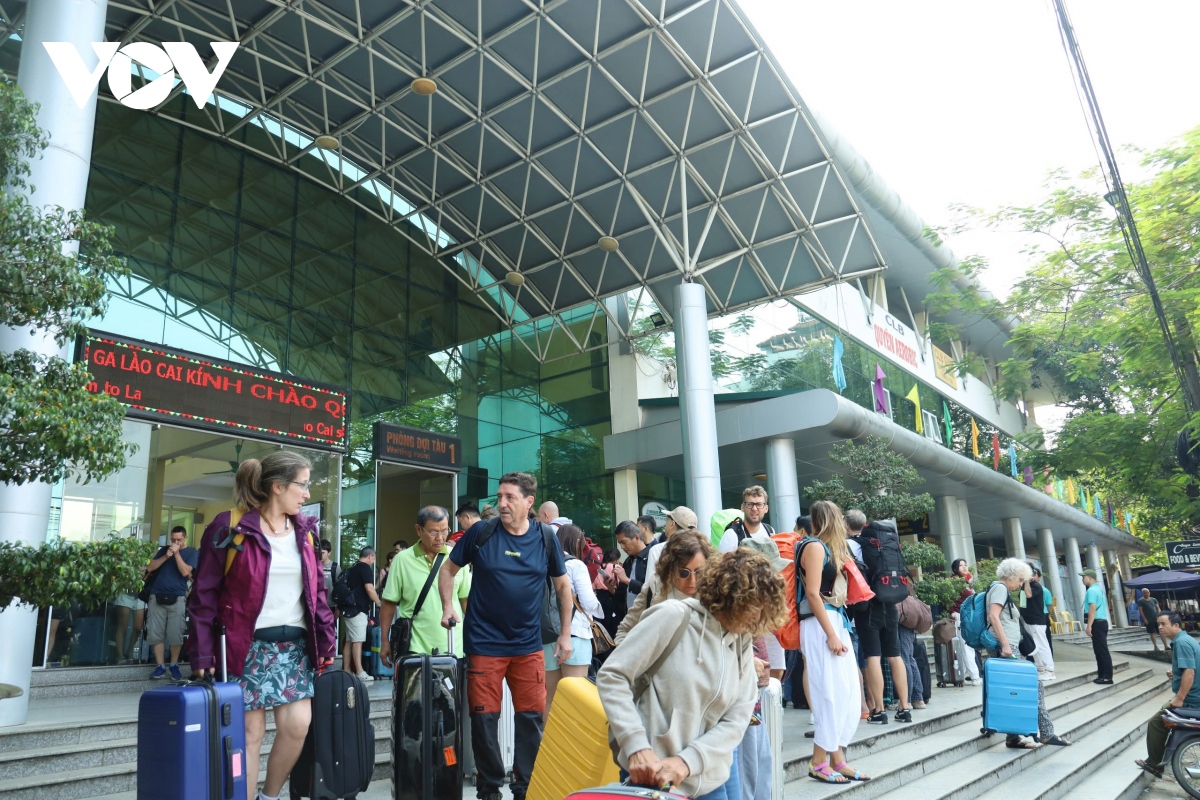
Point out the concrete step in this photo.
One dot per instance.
(873, 739)
(93, 681)
(1102, 772)
(956, 762)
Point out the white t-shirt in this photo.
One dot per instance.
(581, 584)
(284, 600)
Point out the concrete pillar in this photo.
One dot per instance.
(965, 532)
(1014, 539)
(1120, 614)
(1092, 554)
(697, 411)
(60, 178)
(946, 515)
(1049, 558)
(625, 495)
(782, 483)
(1074, 568)
(1126, 566)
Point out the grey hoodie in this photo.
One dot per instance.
(699, 703)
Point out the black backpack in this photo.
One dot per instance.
(343, 595)
(886, 570)
(738, 526)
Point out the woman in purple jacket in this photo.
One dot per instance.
(263, 581)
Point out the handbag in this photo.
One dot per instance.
(915, 615)
(148, 586)
(857, 588)
(602, 642)
(401, 633)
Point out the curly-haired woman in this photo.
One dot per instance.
(680, 691)
(678, 570)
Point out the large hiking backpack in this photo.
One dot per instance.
(886, 570)
(722, 521)
(972, 620)
(789, 634)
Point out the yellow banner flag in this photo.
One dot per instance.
(974, 438)
(1071, 491)
(914, 397)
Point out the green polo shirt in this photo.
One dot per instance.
(1095, 595)
(407, 575)
(1185, 654)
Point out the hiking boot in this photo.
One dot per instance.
(159, 672)
(878, 718)
(904, 715)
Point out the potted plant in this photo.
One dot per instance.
(923, 557)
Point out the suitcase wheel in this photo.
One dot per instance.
(941, 684)
(987, 733)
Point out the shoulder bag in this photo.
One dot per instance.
(401, 635)
(602, 642)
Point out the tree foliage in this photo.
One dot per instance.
(54, 267)
(63, 572)
(1088, 335)
(884, 476)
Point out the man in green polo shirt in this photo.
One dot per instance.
(1185, 660)
(1095, 611)
(408, 578)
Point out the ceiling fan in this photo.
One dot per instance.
(233, 465)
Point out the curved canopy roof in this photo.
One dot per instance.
(553, 124)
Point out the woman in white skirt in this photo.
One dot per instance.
(825, 640)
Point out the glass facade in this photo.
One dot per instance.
(240, 259)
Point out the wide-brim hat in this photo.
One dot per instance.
(762, 544)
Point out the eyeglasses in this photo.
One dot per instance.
(302, 484)
(685, 573)
(755, 505)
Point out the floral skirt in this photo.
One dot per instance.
(276, 673)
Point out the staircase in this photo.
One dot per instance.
(1119, 639)
(81, 739)
(943, 756)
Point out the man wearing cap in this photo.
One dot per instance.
(681, 519)
(1095, 608)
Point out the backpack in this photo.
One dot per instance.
(830, 589)
(886, 570)
(724, 520)
(972, 619)
(551, 611)
(593, 558)
(233, 542)
(343, 595)
(789, 634)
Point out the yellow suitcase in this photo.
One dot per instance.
(574, 753)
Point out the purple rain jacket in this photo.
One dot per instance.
(235, 600)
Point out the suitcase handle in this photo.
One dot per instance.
(224, 664)
(450, 637)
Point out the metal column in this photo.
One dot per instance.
(1049, 558)
(1014, 538)
(697, 412)
(782, 483)
(60, 177)
(965, 533)
(1116, 591)
(1074, 568)
(947, 521)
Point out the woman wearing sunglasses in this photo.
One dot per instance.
(678, 569)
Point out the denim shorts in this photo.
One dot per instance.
(581, 654)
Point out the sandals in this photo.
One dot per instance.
(821, 772)
(857, 776)
(1155, 771)
(1057, 741)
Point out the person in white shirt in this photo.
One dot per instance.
(573, 540)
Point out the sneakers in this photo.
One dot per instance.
(878, 718)
(174, 670)
(365, 677)
(1047, 676)
(159, 672)
(904, 715)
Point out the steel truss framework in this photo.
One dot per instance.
(554, 123)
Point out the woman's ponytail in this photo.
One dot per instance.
(248, 491)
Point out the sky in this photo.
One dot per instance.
(974, 102)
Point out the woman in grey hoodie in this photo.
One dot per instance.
(680, 690)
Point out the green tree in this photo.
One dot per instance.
(884, 476)
(54, 267)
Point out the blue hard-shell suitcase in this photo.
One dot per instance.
(1010, 697)
(191, 741)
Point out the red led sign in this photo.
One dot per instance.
(165, 385)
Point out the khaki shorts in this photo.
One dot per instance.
(355, 627)
(164, 624)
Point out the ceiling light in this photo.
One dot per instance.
(760, 476)
(424, 86)
(327, 142)
(658, 320)
(157, 238)
(608, 244)
(514, 279)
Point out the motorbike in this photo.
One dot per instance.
(1183, 747)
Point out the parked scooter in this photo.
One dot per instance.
(1183, 747)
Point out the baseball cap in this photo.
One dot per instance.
(684, 517)
(1089, 573)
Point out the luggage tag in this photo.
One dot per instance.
(449, 756)
(449, 684)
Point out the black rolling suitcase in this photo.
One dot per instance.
(922, 657)
(427, 727)
(338, 758)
